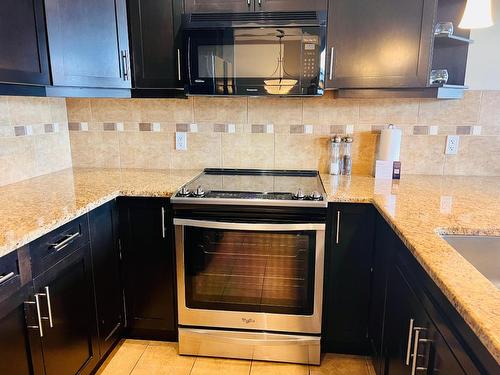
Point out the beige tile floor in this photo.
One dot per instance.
(137, 357)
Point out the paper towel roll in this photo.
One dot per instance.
(390, 144)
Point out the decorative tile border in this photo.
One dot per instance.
(221, 128)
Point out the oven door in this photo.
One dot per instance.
(250, 275)
(255, 60)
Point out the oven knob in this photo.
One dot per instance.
(184, 192)
(315, 196)
(299, 194)
(199, 192)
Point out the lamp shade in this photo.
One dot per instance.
(477, 15)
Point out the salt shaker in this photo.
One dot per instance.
(335, 161)
(347, 159)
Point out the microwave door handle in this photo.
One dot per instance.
(249, 226)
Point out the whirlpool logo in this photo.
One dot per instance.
(248, 320)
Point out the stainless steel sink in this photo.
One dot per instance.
(482, 252)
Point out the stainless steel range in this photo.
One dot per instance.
(250, 259)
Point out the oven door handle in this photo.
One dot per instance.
(249, 226)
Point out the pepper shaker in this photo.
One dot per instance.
(347, 159)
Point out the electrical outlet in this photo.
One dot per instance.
(446, 204)
(452, 142)
(181, 141)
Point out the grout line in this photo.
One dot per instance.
(138, 359)
(192, 366)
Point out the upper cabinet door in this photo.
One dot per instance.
(290, 5)
(23, 57)
(217, 6)
(88, 43)
(379, 44)
(156, 53)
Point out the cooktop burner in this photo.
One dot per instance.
(254, 187)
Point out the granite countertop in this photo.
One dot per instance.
(417, 207)
(34, 207)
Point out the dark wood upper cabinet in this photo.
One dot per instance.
(290, 5)
(215, 6)
(379, 44)
(155, 44)
(103, 230)
(348, 263)
(88, 43)
(149, 274)
(227, 6)
(23, 57)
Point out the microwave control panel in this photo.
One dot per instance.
(310, 57)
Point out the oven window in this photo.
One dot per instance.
(250, 271)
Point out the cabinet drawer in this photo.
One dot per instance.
(10, 275)
(51, 248)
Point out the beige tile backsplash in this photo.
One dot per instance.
(287, 132)
(243, 132)
(34, 137)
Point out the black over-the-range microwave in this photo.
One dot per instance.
(261, 53)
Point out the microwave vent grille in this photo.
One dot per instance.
(263, 17)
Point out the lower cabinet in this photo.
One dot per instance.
(149, 276)
(413, 328)
(20, 351)
(414, 344)
(68, 333)
(103, 231)
(348, 264)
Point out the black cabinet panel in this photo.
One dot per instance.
(215, 6)
(20, 352)
(154, 27)
(378, 44)
(88, 42)
(384, 245)
(290, 5)
(103, 225)
(70, 345)
(23, 57)
(348, 277)
(149, 274)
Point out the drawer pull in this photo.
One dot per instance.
(61, 245)
(6, 277)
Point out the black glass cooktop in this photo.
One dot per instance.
(252, 184)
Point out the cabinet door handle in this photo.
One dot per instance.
(4, 278)
(408, 347)
(415, 352)
(260, 3)
(416, 341)
(163, 222)
(332, 57)
(49, 306)
(337, 235)
(179, 77)
(124, 56)
(249, 2)
(39, 314)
